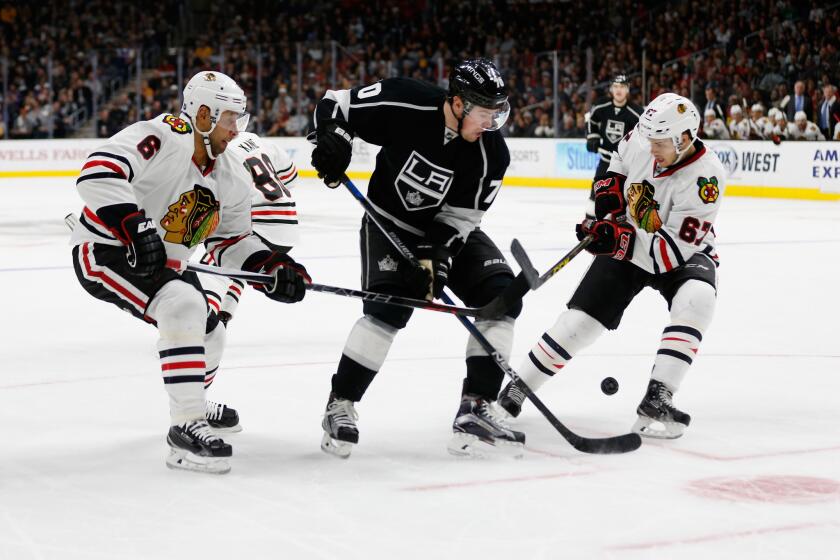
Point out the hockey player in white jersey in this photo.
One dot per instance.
(713, 127)
(739, 127)
(803, 129)
(161, 171)
(271, 175)
(654, 227)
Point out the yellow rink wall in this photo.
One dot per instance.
(792, 170)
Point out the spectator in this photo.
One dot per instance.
(544, 129)
(803, 129)
(712, 102)
(829, 111)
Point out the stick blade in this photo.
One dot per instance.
(528, 271)
(608, 446)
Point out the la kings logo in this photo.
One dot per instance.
(614, 131)
(421, 184)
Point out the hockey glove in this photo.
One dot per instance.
(592, 144)
(145, 253)
(610, 238)
(290, 278)
(331, 156)
(609, 197)
(436, 260)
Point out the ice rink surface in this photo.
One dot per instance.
(82, 472)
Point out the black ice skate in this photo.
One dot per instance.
(222, 418)
(479, 432)
(511, 399)
(656, 409)
(340, 432)
(194, 447)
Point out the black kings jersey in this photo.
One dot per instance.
(611, 123)
(427, 180)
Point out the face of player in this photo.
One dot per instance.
(710, 119)
(619, 93)
(663, 151)
(227, 128)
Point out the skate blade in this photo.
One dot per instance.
(181, 459)
(472, 447)
(227, 429)
(335, 447)
(648, 427)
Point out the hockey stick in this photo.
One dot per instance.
(489, 311)
(617, 444)
(531, 274)
(262, 278)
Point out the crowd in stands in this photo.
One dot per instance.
(781, 55)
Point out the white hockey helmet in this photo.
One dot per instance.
(800, 116)
(735, 110)
(219, 93)
(668, 116)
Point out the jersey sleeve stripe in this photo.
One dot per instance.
(104, 163)
(663, 252)
(121, 159)
(100, 175)
(273, 212)
(395, 104)
(675, 249)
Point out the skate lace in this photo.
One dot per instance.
(665, 396)
(213, 411)
(343, 413)
(487, 410)
(202, 430)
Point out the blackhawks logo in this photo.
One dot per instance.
(643, 208)
(178, 125)
(709, 191)
(192, 218)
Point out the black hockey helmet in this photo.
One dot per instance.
(621, 79)
(478, 81)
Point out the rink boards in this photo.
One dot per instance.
(793, 170)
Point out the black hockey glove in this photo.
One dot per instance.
(436, 260)
(592, 144)
(145, 253)
(609, 197)
(290, 278)
(331, 156)
(612, 239)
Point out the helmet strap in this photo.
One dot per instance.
(205, 136)
(457, 118)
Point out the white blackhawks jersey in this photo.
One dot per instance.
(673, 209)
(149, 164)
(812, 132)
(270, 174)
(739, 130)
(716, 130)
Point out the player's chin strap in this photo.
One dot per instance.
(681, 153)
(205, 136)
(463, 115)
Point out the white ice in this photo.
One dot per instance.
(84, 412)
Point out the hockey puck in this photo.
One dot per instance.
(609, 386)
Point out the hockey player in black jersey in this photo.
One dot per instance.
(439, 169)
(609, 121)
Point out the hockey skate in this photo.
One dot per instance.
(340, 432)
(511, 399)
(222, 418)
(478, 431)
(194, 447)
(658, 418)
